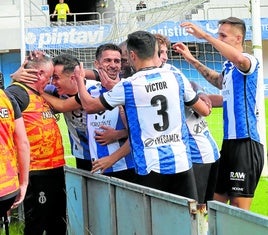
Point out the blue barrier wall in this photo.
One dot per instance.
(228, 220)
(9, 63)
(101, 205)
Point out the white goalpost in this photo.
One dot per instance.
(257, 50)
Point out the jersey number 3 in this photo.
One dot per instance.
(161, 101)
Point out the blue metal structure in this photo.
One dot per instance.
(103, 205)
(99, 205)
(228, 220)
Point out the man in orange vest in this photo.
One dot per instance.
(45, 203)
(14, 155)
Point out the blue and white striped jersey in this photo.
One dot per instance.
(77, 130)
(109, 118)
(241, 101)
(154, 103)
(203, 147)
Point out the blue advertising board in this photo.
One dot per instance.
(94, 35)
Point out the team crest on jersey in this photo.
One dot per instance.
(199, 127)
(100, 113)
(42, 198)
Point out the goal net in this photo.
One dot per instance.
(113, 24)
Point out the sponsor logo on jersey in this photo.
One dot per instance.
(100, 123)
(3, 113)
(162, 139)
(47, 115)
(100, 120)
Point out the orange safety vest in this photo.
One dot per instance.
(43, 134)
(9, 182)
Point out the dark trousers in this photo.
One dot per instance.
(5, 205)
(45, 203)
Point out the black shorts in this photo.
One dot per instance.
(182, 184)
(45, 203)
(205, 178)
(240, 168)
(128, 175)
(83, 164)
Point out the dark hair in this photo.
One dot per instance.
(105, 47)
(68, 61)
(142, 43)
(238, 23)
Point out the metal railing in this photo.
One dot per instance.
(96, 21)
(206, 11)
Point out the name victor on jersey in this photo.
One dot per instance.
(156, 86)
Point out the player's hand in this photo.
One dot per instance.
(106, 135)
(107, 82)
(25, 75)
(193, 29)
(182, 49)
(79, 72)
(102, 164)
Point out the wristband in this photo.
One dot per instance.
(77, 98)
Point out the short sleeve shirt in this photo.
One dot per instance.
(154, 102)
(241, 101)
